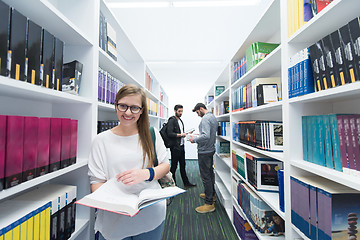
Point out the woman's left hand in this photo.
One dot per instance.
(133, 176)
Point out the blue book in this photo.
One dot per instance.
(335, 142)
(320, 140)
(305, 137)
(281, 190)
(329, 159)
(308, 74)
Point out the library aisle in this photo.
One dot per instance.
(183, 222)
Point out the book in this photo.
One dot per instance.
(31, 130)
(219, 90)
(14, 150)
(4, 37)
(256, 81)
(329, 60)
(33, 53)
(111, 41)
(47, 58)
(65, 142)
(266, 93)
(112, 196)
(58, 64)
(55, 144)
(72, 74)
(2, 150)
(341, 69)
(354, 29)
(42, 163)
(17, 45)
(73, 140)
(315, 67)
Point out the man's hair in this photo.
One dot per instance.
(177, 106)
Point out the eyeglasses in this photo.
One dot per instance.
(123, 108)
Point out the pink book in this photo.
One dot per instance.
(73, 147)
(341, 132)
(42, 164)
(65, 142)
(55, 144)
(355, 130)
(14, 150)
(31, 128)
(348, 142)
(2, 150)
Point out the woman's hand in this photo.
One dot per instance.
(133, 176)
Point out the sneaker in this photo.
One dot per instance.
(206, 208)
(202, 195)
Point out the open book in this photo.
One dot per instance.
(112, 197)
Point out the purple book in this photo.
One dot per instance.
(73, 147)
(55, 144)
(357, 138)
(99, 85)
(2, 150)
(42, 164)
(65, 142)
(354, 140)
(344, 161)
(14, 150)
(348, 142)
(31, 128)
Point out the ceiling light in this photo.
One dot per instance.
(138, 4)
(215, 3)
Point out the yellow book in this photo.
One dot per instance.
(301, 13)
(48, 219)
(16, 230)
(8, 233)
(37, 224)
(23, 227)
(296, 14)
(30, 227)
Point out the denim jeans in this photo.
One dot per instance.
(206, 162)
(153, 235)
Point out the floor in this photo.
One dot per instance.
(183, 222)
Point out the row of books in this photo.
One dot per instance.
(301, 11)
(257, 51)
(261, 134)
(209, 99)
(152, 107)
(323, 209)
(300, 76)
(260, 171)
(239, 69)
(163, 111)
(31, 147)
(257, 92)
(107, 37)
(108, 86)
(223, 129)
(222, 108)
(336, 57)
(263, 218)
(30, 53)
(47, 212)
(102, 126)
(222, 148)
(242, 227)
(332, 141)
(149, 82)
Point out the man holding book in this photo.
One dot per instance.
(206, 150)
(176, 134)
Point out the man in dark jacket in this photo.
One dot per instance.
(176, 133)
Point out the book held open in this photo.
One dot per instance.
(112, 197)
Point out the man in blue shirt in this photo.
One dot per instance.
(206, 149)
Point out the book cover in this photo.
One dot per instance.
(14, 150)
(304, 125)
(73, 140)
(111, 41)
(113, 196)
(72, 74)
(219, 90)
(276, 136)
(33, 53)
(354, 140)
(315, 67)
(281, 190)
(335, 140)
(266, 93)
(357, 124)
(17, 45)
(2, 150)
(321, 4)
(31, 130)
(348, 142)
(55, 144)
(322, 66)
(329, 60)
(345, 41)
(339, 58)
(58, 64)
(65, 142)
(42, 164)
(240, 163)
(308, 82)
(47, 58)
(354, 29)
(329, 159)
(4, 37)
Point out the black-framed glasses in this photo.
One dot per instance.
(123, 108)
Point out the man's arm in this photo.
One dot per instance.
(170, 129)
(205, 132)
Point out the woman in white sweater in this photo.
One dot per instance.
(126, 153)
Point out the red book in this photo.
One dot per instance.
(31, 128)
(2, 150)
(321, 4)
(14, 150)
(65, 142)
(42, 164)
(73, 148)
(55, 144)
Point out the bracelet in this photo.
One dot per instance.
(152, 174)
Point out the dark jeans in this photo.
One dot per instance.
(206, 162)
(178, 155)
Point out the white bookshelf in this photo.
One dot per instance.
(342, 99)
(76, 23)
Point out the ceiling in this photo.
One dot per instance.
(187, 48)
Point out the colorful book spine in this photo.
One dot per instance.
(55, 144)
(31, 130)
(73, 140)
(2, 150)
(65, 142)
(43, 160)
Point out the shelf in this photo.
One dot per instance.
(223, 96)
(226, 160)
(18, 89)
(106, 107)
(270, 107)
(332, 95)
(276, 155)
(6, 193)
(269, 66)
(301, 234)
(226, 138)
(226, 182)
(331, 174)
(80, 226)
(223, 195)
(325, 23)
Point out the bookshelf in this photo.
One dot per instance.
(272, 27)
(77, 25)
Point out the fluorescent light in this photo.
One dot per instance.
(138, 4)
(215, 3)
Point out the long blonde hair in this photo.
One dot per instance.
(142, 123)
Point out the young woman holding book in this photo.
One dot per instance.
(126, 153)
